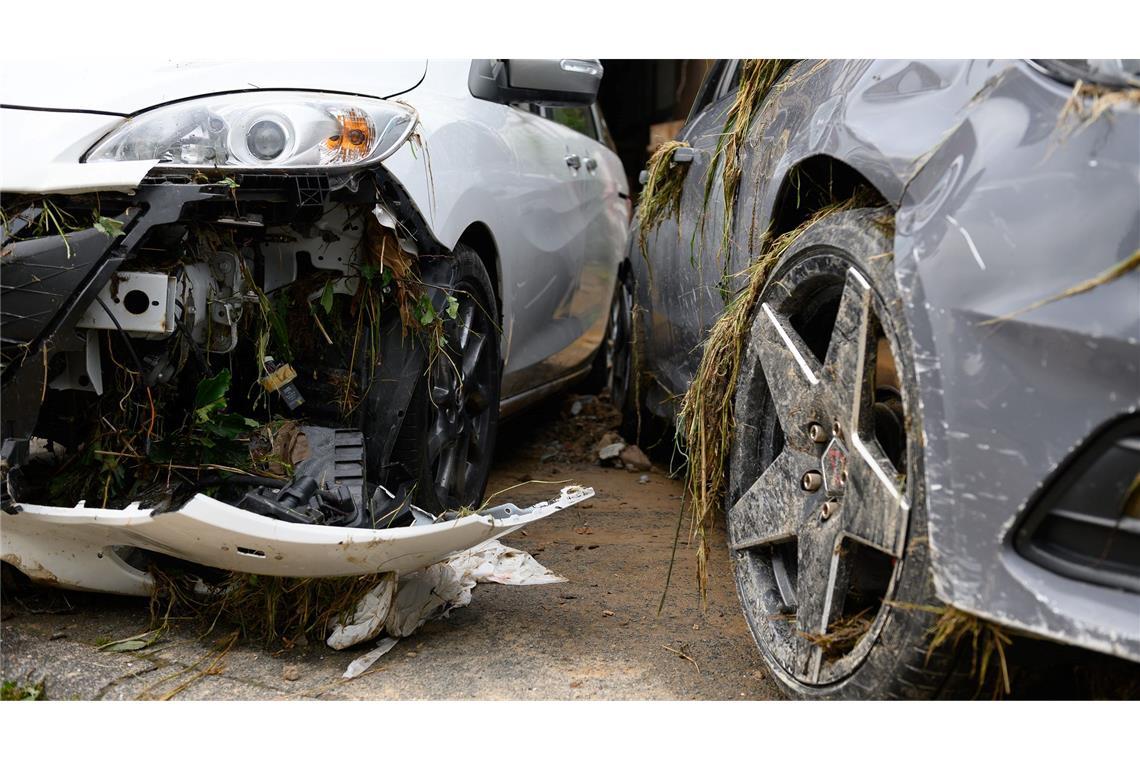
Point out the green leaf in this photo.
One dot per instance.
(228, 426)
(368, 271)
(425, 311)
(112, 228)
(133, 643)
(229, 182)
(452, 307)
(211, 395)
(327, 297)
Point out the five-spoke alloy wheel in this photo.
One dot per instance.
(825, 496)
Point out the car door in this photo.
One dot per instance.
(685, 262)
(604, 210)
(544, 247)
(559, 297)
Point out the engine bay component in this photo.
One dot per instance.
(141, 303)
(279, 379)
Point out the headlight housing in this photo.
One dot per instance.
(294, 130)
(1108, 72)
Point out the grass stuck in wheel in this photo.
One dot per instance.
(706, 421)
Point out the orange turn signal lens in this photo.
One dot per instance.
(353, 141)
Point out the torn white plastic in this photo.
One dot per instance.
(400, 607)
(74, 547)
(358, 666)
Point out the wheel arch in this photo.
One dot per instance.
(815, 182)
(478, 237)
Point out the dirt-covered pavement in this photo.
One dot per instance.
(597, 636)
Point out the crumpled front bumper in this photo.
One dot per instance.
(75, 547)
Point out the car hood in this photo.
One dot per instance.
(123, 88)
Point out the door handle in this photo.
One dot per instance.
(591, 164)
(683, 155)
(574, 161)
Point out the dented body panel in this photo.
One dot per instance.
(998, 206)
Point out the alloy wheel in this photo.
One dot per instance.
(820, 522)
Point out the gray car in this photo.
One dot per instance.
(937, 399)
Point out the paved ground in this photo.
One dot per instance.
(598, 636)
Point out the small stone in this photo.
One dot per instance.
(634, 458)
(291, 673)
(607, 613)
(611, 451)
(610, 438)
(575, 408)
(643, 479)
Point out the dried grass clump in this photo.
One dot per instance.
(661, 196)
(1088, 103)
(706, 418)
(757, 78)
(264, 609)
(843, 634)
(988, 641)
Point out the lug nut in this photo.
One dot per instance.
(828, 509)
(817, 433)
(843, 477)
(836, 429)
(811, 480)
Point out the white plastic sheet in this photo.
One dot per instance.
(399, 607)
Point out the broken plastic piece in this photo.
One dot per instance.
(400, 607)
(75, 547)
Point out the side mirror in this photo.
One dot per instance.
(544, 81)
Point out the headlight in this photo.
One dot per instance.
(1109, 72)
(264, 129)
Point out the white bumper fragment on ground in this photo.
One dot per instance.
(74, 547)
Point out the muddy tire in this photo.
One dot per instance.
(825, 508)
(447, 441)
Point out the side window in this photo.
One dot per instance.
(731, 79)
(578, 118)
(710, 88)
(606, 139)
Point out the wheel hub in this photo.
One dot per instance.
(833, 465)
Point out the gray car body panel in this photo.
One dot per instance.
(997, 208)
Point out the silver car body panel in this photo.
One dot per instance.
(998, 206)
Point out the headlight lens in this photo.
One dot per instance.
(264, 129)
(1109, 72)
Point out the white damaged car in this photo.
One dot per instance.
(265, 318)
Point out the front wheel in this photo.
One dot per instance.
(826, 512)
(448, 438)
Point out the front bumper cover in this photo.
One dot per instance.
(76, 547)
